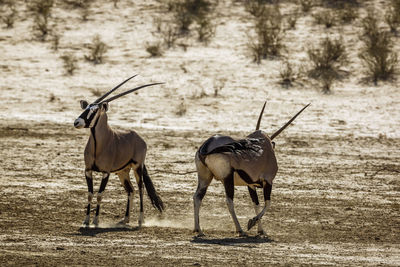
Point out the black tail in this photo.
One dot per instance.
(151, 192)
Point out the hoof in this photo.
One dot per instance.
(199, 233)
(96, 221)
(261, 234)
(242, 234)
(251, 223)
(123, 222)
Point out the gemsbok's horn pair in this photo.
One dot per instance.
(247, 162)
(109, 151)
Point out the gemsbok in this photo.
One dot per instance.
(110, 151)
(247, 162)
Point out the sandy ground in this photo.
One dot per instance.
(335, 199)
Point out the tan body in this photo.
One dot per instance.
(111, 151)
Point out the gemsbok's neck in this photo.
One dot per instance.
(101, 133)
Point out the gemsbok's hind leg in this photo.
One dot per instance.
(103, 185)
(205, 177)
(267, 188)
(139, 180)
(89, 181)
(254, 198)
(230, 191)
(127, 184)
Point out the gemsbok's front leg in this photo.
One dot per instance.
(254, 198)
(103, 185)
(267, 188)
(230, 191)
(89, 181)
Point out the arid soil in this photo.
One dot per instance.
(335, 200)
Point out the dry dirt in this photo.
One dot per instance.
(335, 200)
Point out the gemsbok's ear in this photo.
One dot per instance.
(84, 104)
(104, 106)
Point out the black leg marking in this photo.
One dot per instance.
(103, 184)
(229, 186)
(201, 192)
(88, 209)
(253, 195)
(128, 187)
(127, 206)
(247, 178)
(97, 210)
(267, 191)
(89, 181)
(140, 185)
(129, 190)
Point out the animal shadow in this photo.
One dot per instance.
(232, 241)
(93, 231)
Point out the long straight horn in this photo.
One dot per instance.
(129, 91)
(112, 90)
(259, 118)
(288, 123)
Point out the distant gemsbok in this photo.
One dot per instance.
(110, 151)
(247, 162)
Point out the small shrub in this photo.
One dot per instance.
(287, 75)
(181, 109)
(205, 29)
(97, 50)
(9, 15)
(42, 12)
(55, 41)
(70, 63)
(326, 18)
(268, 40)
(187, 11)
(169, 35)
(326, 61)
(154, 50)
(306, 5)
(292, 20)
(377, 52)
(392, 16)
(347, 14)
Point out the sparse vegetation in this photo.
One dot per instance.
(187, 15)
(268, 39)
(287, 74)
(292, 20)
(326, 61)
(377, 53)
(327, 18)
(392, 16)
(42, 12)
(306, 5)
(55, 41)
(154, 49)
(9, 14)
(97, 49)
(69, 63)
(181, 109)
